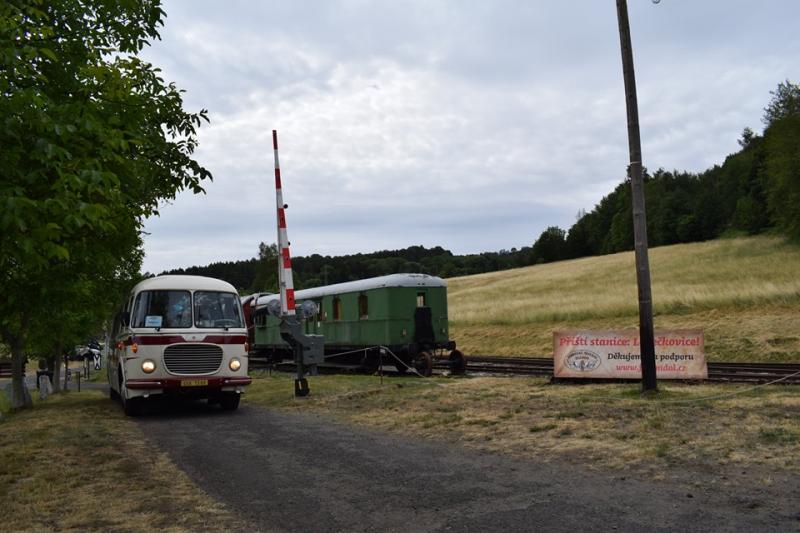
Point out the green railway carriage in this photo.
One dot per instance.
(398, 319)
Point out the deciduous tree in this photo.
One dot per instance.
(93, 139)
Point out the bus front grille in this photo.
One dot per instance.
(191, 359)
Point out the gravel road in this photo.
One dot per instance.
(299, 472)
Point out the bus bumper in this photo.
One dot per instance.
(197, 387)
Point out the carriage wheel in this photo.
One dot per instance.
(458, 363)
(423, 363)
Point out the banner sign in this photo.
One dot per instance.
(615, 354)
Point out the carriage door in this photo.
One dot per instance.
(423, 323)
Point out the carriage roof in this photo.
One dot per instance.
(380, 282)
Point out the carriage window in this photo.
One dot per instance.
(363, 309)
(337, 308)
(420, 299)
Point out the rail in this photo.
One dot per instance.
(730, 372)
(733, 372)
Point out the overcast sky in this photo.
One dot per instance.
(464, 124)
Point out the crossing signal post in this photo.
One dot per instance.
(308, 350)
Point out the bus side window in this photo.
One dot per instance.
(363, 307)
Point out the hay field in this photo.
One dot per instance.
(743, 292)
(74, 462)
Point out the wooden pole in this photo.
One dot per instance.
(646, 336)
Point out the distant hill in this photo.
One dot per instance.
(743, 292)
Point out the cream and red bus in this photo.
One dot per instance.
(179, 336)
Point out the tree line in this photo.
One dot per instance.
(754, 190)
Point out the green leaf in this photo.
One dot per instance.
(49, 53)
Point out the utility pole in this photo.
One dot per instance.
(646, 336)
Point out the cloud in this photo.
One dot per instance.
(469, 126)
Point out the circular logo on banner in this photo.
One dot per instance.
(583, 361)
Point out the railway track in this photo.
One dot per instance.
(788, 373)
(755, 373)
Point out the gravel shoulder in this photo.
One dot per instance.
(305, 472)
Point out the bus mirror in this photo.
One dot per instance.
(125, 318)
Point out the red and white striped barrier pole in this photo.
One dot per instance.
(285, 264)
(308, 349)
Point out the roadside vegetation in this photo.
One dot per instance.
(608, 426)
(74, 462)
(743, 292)
(94, 141)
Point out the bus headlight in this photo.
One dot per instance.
(148, 366)
(235, 364)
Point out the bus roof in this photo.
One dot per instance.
(177, 282)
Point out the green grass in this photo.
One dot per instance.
(778, 435)
(743, 292)
(542, 427)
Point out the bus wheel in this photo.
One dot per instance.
(423, 363)
(230, 400)
(113, 394)
(131, 406)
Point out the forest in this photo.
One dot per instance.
(755, 190)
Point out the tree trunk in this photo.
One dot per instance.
(18, 398)
(66, 372)
(54, 362)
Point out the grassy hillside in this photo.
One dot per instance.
(744, 292)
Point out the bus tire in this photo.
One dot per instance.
(229, 401)
(132, 406)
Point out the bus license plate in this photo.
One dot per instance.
(194, 382)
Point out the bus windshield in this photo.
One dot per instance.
(162, 309)
(214, 309)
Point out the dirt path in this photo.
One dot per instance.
(289, 472)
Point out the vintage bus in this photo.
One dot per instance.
(179, 336)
